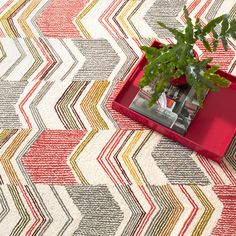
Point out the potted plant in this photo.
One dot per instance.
(171, 112)
(177, 63)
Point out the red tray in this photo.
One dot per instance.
(213, 127)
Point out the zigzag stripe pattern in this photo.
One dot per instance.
(11, 92)
(48, 19)
(167, 10)
(42, 152)
(69, 163)
(164, 153)
(100, 212)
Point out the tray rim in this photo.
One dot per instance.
(200, 149)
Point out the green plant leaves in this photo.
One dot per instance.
(232, 29)
(189, 28)
(225, 25)
(212, 76)
(150, 52)
(212, 24)
(177, 34)
(227, 29)
(206, 44)
(158, 90)
(172, 61)
(225, 43)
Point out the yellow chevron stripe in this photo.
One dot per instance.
(176, 211)
(4, 19)
(89, 105)
(4, 134)
(22, 19)
(209, 209)
(122, 16)
(76, 154)
(126, 155)
(37, 59)
(2, 52)
(83, 14)
(9, 153)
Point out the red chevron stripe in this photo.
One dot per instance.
(22, 103)
(46, 160)
(122, 121)
(5, 6)
(192, 214)
(150, 212)
(203, 9)
(57, 19)
(190, 8)
(222, 57)
(226, 224)
(50, 62)
(210, 170)
(1, 33)
(101, 154)
(228, 173)
(193, 5)
(108, 157)
(37, 207)
(107, 19)
(118, 163)
(33, 210)
(108, 12)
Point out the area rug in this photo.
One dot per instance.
(69, 163)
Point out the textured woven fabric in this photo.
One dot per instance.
(69, 164)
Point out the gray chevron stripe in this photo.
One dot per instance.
(165, 212)
(4, 55)
(24, 216)
(230, 155)
(4, 205)
(70, 219)
(232, 12)
(33, 106)
(138, 212)
(63, 42)
(45, 222)
(101, 213)
(175, 162)
(17, 62)
(63, 105)
(131, 59)
(39, 210)
(129, 18)
(165, 11)
(37, 59)
(10, 93)
(101, 59)
(46, 218)
(23, 151)
(214, 9)
(146, 41)
(54, 55)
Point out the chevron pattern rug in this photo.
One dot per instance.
(69, 164)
